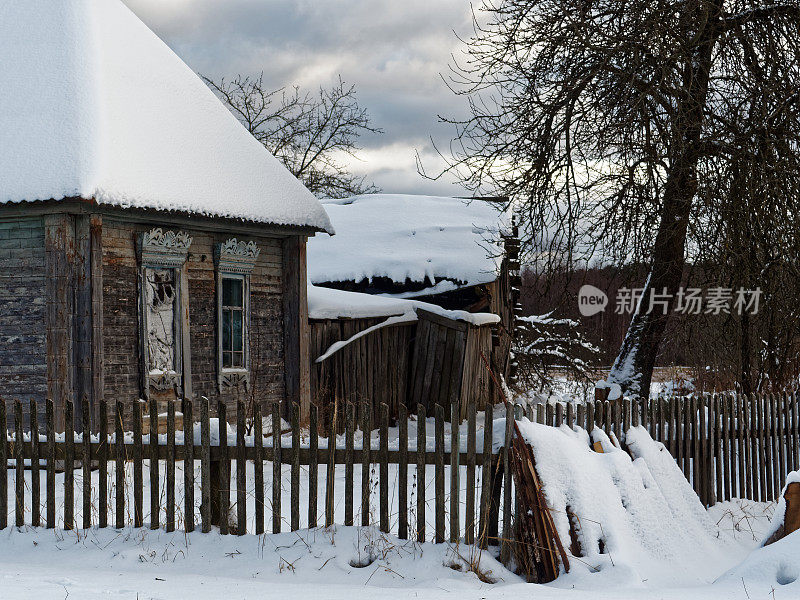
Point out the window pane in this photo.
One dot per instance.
(226, 360)
(237, 331)
(232, 292)
(226, 329)
(238, 359)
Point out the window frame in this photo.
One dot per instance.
(235, 260)
(164, 251)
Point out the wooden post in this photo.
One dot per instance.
(138, 483)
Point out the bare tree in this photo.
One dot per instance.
(309, 133)
(608, 123)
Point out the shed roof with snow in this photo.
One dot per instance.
(96, 106)
(434, 242)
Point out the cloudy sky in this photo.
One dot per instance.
(394, 51)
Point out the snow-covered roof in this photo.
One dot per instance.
(408, 237)
(95, 105)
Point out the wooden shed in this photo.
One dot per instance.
(149, 246)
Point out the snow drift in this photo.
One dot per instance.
(637, 520)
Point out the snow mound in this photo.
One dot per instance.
(637, 520)
(409, 237)
(95, 106)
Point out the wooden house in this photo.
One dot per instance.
(149, 246)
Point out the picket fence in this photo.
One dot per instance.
(727, 446)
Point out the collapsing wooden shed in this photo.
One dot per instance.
(374, 350)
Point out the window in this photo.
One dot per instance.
(235, 262)
(161, 280)
(233, 322)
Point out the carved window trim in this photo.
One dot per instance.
(235, 260)
(161, 250)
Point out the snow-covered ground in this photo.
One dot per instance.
(660, 543)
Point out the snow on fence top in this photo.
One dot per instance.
(94, 105)
(409, 237)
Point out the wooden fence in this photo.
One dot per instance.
(727, 446)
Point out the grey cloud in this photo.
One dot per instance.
(393, 52)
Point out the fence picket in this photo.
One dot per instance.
(383, 459)
(719, 478)
(258, 466)
(349, 433)
(36, 519)
(169, 520)
(486, 476)
(119, 466)
(762, 450)
(580, 416)
(438, 495)
(294, 497)
(276, 467)
(4, 467)
(455, 446)
(86, 474)
(590, 417)
(727, 457)
(152, 446)
(205, 467)
(241, 470)
(69, 464)
(19, 462)
(505, 548)
(420, 473)
(224, 469)
(188, 463)
(402, 473)
(366, 432)
(50, 425)
(330, 473)
(313, 464)
(469, 510)
(138, 485)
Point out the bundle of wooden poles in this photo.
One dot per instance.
(537, 546)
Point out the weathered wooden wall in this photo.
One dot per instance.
(23, 310)
(373, 368)
(432, 361)
(120, 321)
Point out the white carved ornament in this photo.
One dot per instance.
(165, 248)
(236, 256)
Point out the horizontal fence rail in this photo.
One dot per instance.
(216, 475)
